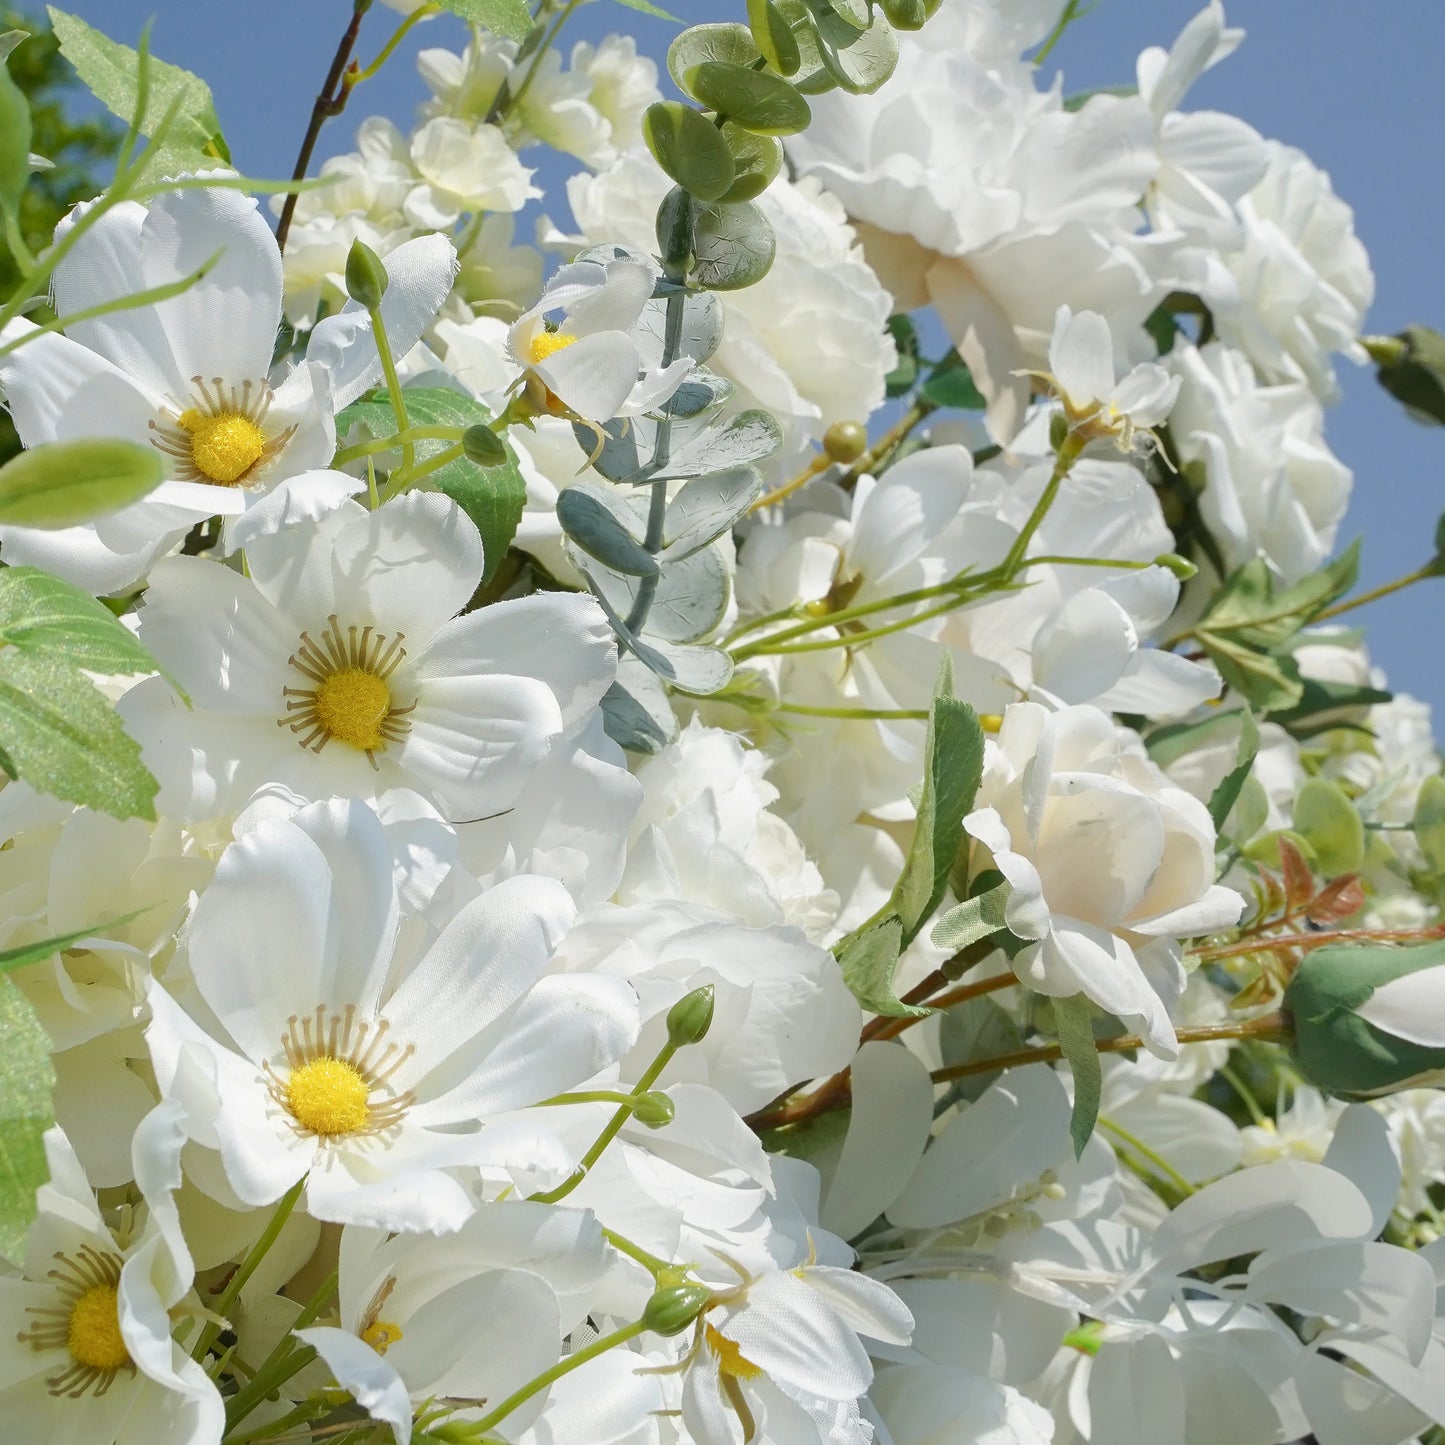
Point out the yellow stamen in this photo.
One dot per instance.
(224, 447)
(547, 343)
(93, 1335)
(352, 705)
(381, 1335)
(328, 1097)
(730, 1358)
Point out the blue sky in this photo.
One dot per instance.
(1356, 86)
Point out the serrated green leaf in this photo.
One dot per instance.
(111, 70)
(951, 384)
(42, 616)
(689, 148)
(62, 484)
(27, 1110)
(493, 497)
(44, 948)
(14, 141)
(60, 735)
(953, 769)
(1073, 1022)
(1226, 792)
(868, 958)
(508, 18)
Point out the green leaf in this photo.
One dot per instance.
(976, 1029)
(1227, 790)
(953, 769)
(44, 948)
(1429, 821)
(757, 159)
(27, 1110)
(905, 337)
(973, 920)
(773, 36)
(700, 43)
(14, 140)
(1326, 819)
(60, 735)
(62, 484)
(732, 245)
(112, 71)
(689, 148)
(868, 958)
(598, 519)
(49, 619)
(493, 497)
(508, 18)
(859, 60)
(752, 99)
(636, 711)
(1073, 1022)
(1415, 376)
(951, 384)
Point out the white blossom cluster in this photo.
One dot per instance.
(434, 1068)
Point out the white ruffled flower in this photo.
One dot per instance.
(590, 364)
(341, 668)
(337, 1049)
(192, 377)
(1108, 864)
(1302, 277)
(622, 85)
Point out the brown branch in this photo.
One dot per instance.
(331, 101)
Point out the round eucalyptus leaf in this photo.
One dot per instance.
(757, 158)
(699, 44)
(857, 13)
(635, 711)
(689, 148)
(702, 328)
(752, 99)
(603, 524)
(860, 61)
(732, 245)
(706, 508)
(906, 14)
(773, 36)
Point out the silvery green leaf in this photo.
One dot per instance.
(702, 328)
(750, 436)
(706, 508)
(625, 452)
(600, 521)
(732, 245)
(701, 43)
(635, 709)
(689, 148)
(860, 61)
(690, 598)
(702, 391)
(852, 12)
(699, 670)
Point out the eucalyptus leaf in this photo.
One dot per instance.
(1329, 822)
(701, 392)
(1429, 821)
(625, 452)
(773, 36)
(750, 436)
(700, 336)
(757, 160)
(689, 600)
(732, 246)
(694, 669)
(706, 508)
(860, 61)
(27, 1110)
(752, 99)
(600, 522)
(635, 709)
(62, 484)
(855, 13)
(689, 148)
(699, 44)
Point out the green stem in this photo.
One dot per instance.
(650, 1262)
(589, 1096)
(354, 78)
(404, 476)
(390, 444)
(1375, 593)
(288, 1357)
(1072, 12)
(1246, 1098)
(247, 1267)
(874, 714)
(506, 97)
(1068, 454)
(1165, 1168)
(393, 386)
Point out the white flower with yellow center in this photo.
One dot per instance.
(340, 667)
(87, 1353)
(191, 376)
(321, 1042)
(588, 363)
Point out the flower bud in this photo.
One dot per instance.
(366, 278)
(1181, 567)
(1058, 430)
(1369, 1020)
(1412, 369)
(845, 441)
(483, 446)
(674, 1307)
(654, 1109)
(689, 1019)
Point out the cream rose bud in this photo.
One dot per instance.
(1110, 863)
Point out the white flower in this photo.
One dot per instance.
(1081, 367)
(87, 1350)
(191, 376)
(334, 1052)
(1108, 863)
(1274, 487)
(1303, 278)
(623, 84)
(590, 363)
(341, 668)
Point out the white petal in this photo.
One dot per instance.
(1081, 356)
(1411, 1007)
(306, 497)
(375, 1385)
(594, 376)
(906, 511)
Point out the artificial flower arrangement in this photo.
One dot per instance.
(599, 851)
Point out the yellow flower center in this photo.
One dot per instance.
(352, 705)
(381, 1335)
(730, 1358)
(328, 1097)
(224, 447)
(548, 343)
(93, 1335)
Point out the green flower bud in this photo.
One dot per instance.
(1344, 1003)
(674, 1307)
(1412, 369)
(689, 1019)
(1181, 567)
(1058, 430)
(845, 441)
(366, 278)
(483, 446)
(655, 1110)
